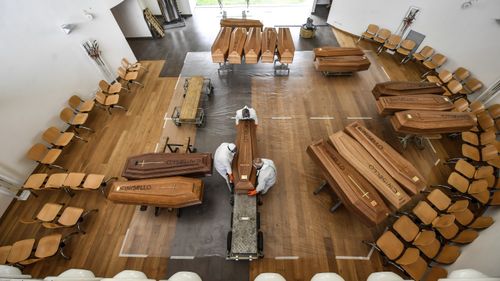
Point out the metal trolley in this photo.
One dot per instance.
(199, 119)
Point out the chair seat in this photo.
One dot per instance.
(49, 212)
(495, 199)
(471, 152)
(4, 253)
(86, 106)
(93, 181)
(488, 137)
(465, 168)
(491, 180)
(482, 222)
(48, 246)
(433, 79)
(465, 217)
(79, 119)
(448, 232)
(429, 64)
(435, 273)
(444, 221)
(495, 162)
(367, 35)
(458, 206)
(112, 99)
(409, 256)
(428, 244)
(403, 51)
(51, 156)
(406, 228)
(484, 172)
(379, 40)
(74, 179)
(131, 75)
(448, 254)
(56, 180)
(458, 182)
(417, 269)
(70, 216)
(478, 186)
(466, 236)
(64, 139)
(35, 181)
(470, 137)
(390, 46)
(418, 57)
(482, 197)
(21, 250)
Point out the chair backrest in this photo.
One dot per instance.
(408, 44)
(465, 168)
(37, 152)
(461, 105)
(427, 51)
(445, 75)
(439, 199)
(439, 59)
(66, 115)
(485, 121)
(473, 84)
(488, 152)
(100, 97)
(115, 88)
(122, 72)
(390, 245)
(74, 101)
(425, 212)
(51, 134)
(48, 245)
(406, 228)
(383, 33)
(454, 86)
(103, 85)
(493, 110)
(458, 182)
(477, 106)
(461, 74)
(372, 28)
(394, 39)
(125, 63)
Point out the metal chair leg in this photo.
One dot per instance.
(69, 192)
(135, 82)
(56, 167)
(119, 107)
(80, 138)
(63, 244)
(86, 128)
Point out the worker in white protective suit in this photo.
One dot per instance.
(246, 113)
(223, 158)
(266, 175)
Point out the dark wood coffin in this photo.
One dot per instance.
(173, 192)
(220, 47)
(253, 45)
(328, 51)
(342, 64)
(432, 122)
(269, 38)
(402, 88)
(356, 193)
(236, 44)
(389, 104)
(246, 142)
(362, 161)
(158, 165)
(285, 45)
(394, 163)
(246, 23)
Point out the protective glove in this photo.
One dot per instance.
(231, 178)
(252, 192)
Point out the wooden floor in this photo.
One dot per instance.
(295, 222)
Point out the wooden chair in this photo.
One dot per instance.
(405, 49)
(463, 215)
(444, 224)
(108, 101)
(369, 33)
(47, 213)
(453, 87)
(382, 35)
(20, 251)
(485, 121)
(460, 74)
(494, 111)
(390, 44)
(461, 105)
(477, 189)
(110, 89)
(444, 76)
(91, 182)
(70, 217)
(4, 253)
(41, 154)
(132, 66)
(48, 246)
(35, 182)
(407, 259)
(75, 120)
(80, 105)
(434, 63)
(129, 76)
(477, 107)
(59, 139)
(425, 53)
(425, 241)
(471, 86)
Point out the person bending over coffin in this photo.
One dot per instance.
(266, 176)
(223, 157)
(246, 113)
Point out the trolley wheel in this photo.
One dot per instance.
(232, 215)
(177, 123)
(260, 241)
(229, 239)
(231, 200)
(258, 220)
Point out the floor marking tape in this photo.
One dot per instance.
(286, 258)
(165, 116)
(178, 78)
(322, 118)
(359, 118)
(281, 117)
(385, 72)
(356, 257)
(129, 255)
(165, 123)
(156, 147)
(182, 257)
(437, 161)
(432, 147)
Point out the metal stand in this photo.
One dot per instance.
(225, 68)
(337, 201)
(417, 140)
(329, 73)
(282, 69)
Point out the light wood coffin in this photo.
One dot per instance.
(328, 51)
(253, 45)
(269, 38)
(246, 142)
(189, 108)
(401, 88)
(173, 192)
(360, 159)
(394, 163)
(246, 23)
(285, 46)
(220, 48)
(342, 64)
(354, 191)
(432, 122)
(389, 104)
(158, 165)
(236, 44)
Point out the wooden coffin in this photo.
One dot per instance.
(394, 163)
(246, 23)
(432, 122)
(342, 64)
(236, 44)
(356, 193)
(253, 45)
(389, 104)
(401, 88)
(173, 192)
(328, 51)
(158, 165)
(220, 48)
(360, 159)
(192, 96)
(269, 38)
(285, 46)
(246, 143)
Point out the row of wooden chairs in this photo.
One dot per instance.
(389, 41)
(66, 181)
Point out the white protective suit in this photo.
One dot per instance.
(253, 115)
(223, 157)
(266, 176)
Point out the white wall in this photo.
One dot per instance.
(152, 5)
(468, 37)
(42, 67)
(131, 20)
